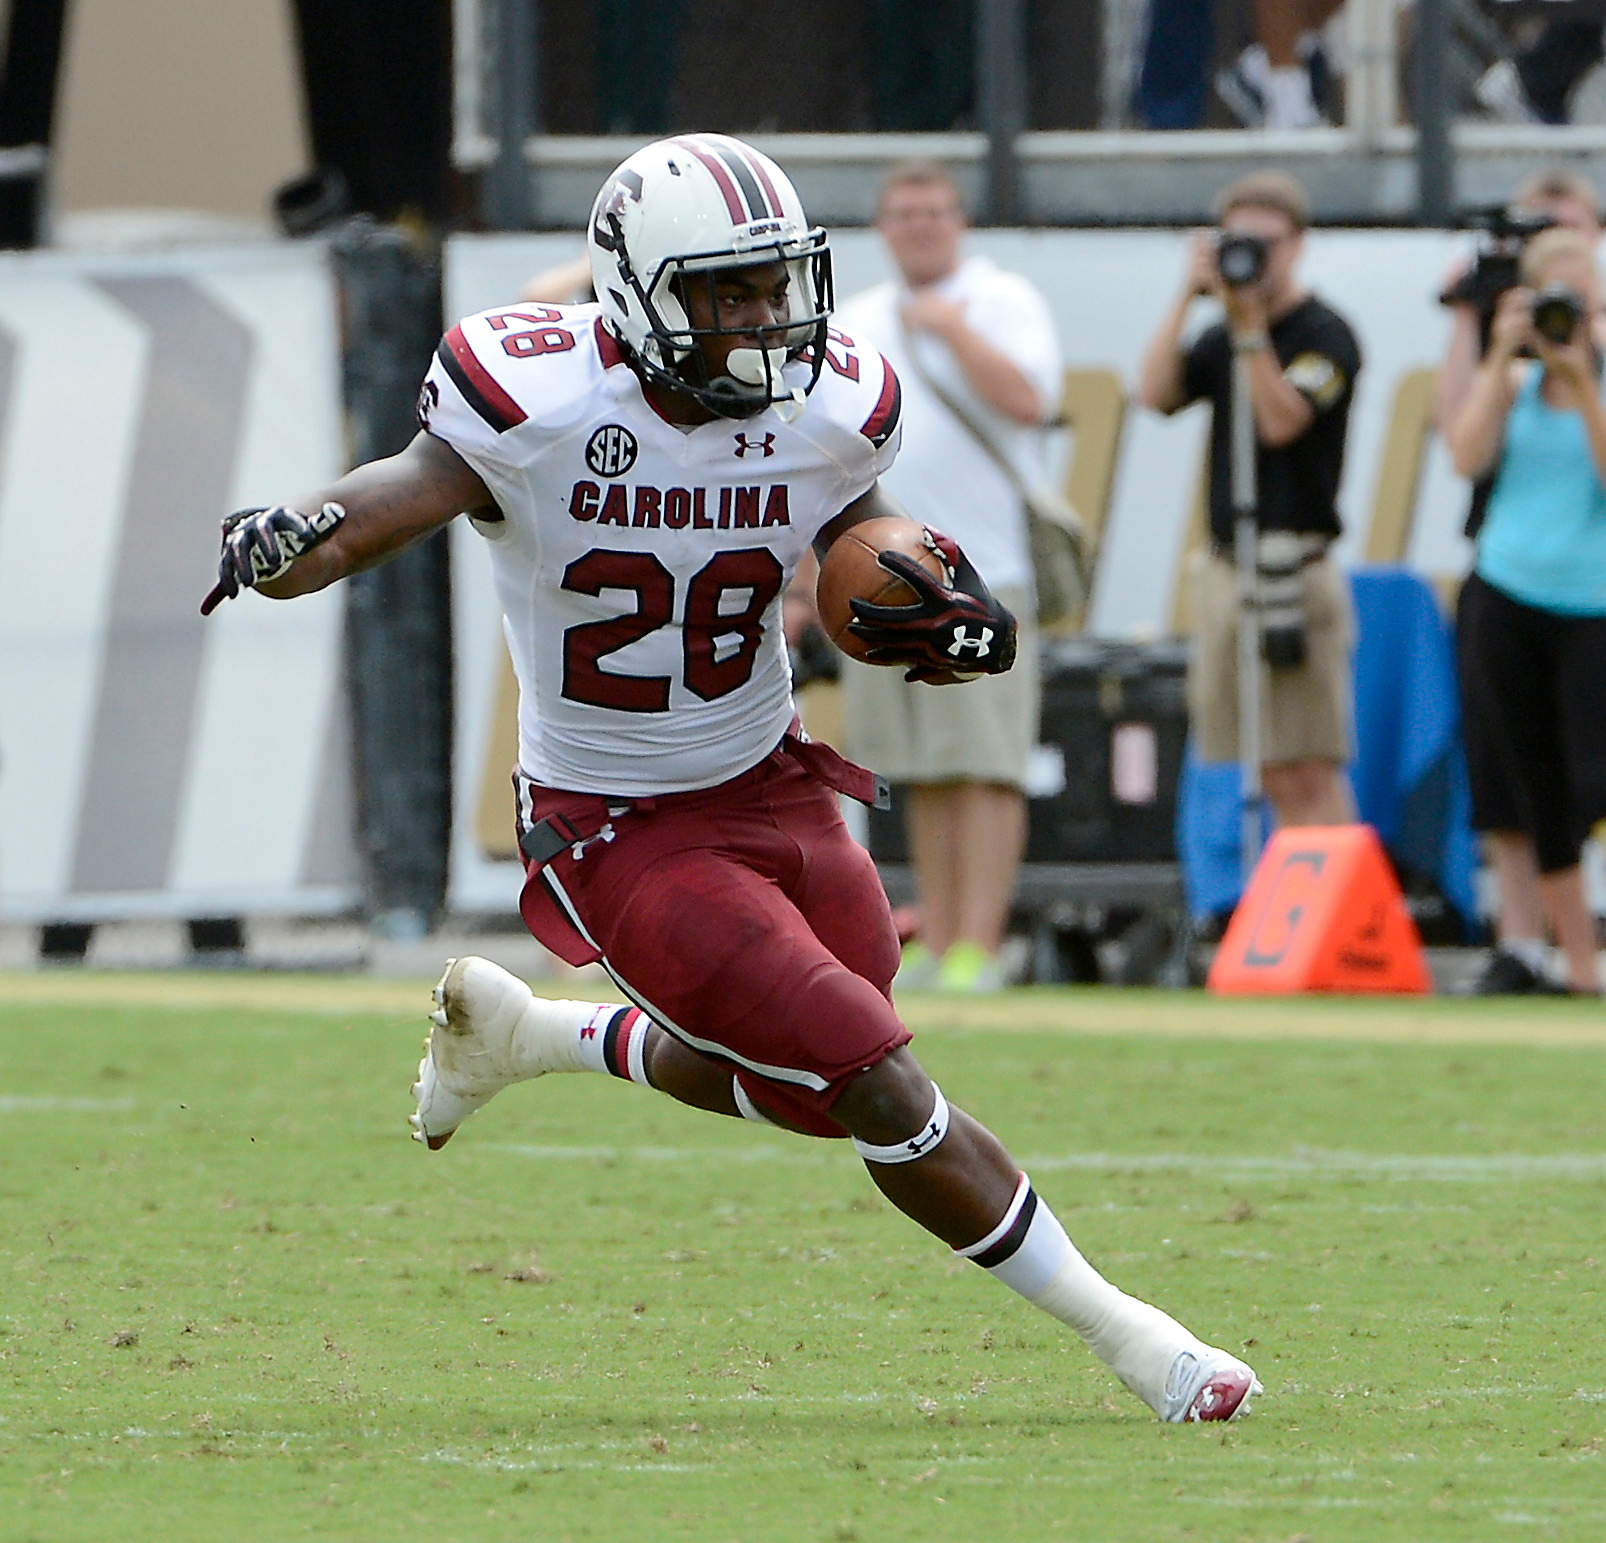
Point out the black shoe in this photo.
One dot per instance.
(1508, 976)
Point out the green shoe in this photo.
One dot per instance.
(968, 968)
(918, 970)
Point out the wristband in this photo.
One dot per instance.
(1250, 342)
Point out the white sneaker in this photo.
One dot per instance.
(1289, 104)
(487, 1034)
(1208, 1384)
(1242, 86)
(1500, 92)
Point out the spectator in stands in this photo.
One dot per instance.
(975, 350)
(1518, 963)
(1303, 360)
(1536, 86)
(1532, 638)
(1173, 80)
(1282, 79)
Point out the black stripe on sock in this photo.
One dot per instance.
(1006, 1246)
(611, 1046)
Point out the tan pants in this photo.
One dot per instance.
(981, 731)
(1305, 712)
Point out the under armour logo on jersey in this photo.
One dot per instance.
(963, 640)
(611, 451)
(765, 446)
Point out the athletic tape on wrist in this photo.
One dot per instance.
(928, 1137)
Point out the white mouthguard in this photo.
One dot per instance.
(747, 365)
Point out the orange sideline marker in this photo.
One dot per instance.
(1323, 912)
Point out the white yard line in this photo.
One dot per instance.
(17, 1103)
(1454, 1168)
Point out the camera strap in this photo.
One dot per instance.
(1046, 510)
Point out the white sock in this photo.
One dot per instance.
(1254, 66)
(559, 1036)
(1288, 98)
(1029, 1252)
(611, 1039)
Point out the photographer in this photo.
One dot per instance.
(1302, 362)
(1532, 625)
(1555, 197)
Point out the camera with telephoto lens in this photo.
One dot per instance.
(1280, 558)
(1557, 312)
(1240, 257)
(1496, 266)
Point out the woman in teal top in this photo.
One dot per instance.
(1532, 620)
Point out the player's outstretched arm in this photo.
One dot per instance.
(367, 517)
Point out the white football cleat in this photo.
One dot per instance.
(1208, 1385)
(490, 1030)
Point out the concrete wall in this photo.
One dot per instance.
(179, 104)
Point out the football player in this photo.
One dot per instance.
(648, 472)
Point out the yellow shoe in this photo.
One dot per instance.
(969, 969)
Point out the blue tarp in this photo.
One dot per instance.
(1409, 773)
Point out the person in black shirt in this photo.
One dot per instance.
(1303, 360)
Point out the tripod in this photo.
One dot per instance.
(1245, 536)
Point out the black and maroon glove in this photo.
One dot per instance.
(260, 544)
(955, 632)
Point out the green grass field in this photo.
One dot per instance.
(236, 1303)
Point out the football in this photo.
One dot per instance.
(851, 570)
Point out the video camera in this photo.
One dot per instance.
(1502, 234)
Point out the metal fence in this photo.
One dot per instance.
(1036, 104)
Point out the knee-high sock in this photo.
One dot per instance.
(1030, 1253)
(559, 1036)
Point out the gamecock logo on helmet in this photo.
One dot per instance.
(626, 189)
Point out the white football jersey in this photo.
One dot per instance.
(640, 566)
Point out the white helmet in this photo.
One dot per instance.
(702, 204)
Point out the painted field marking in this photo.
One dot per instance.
(1453, 1168)
(1050, 1010)
(18, 1103)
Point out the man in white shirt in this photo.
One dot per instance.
(963, 329)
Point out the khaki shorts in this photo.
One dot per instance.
(1305, 712)
(982, 731)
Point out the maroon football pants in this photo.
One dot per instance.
(743, 918)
